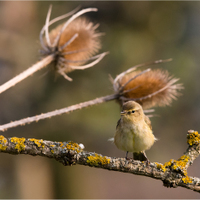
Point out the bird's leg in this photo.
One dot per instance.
(141, 156)
(145, 156)
(127, 156)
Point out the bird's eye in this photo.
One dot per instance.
(133, 111)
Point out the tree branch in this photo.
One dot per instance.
(172, 173)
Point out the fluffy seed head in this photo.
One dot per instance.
(81, 48)
(72, 43)
(152, 88)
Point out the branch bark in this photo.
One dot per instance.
(172, 173)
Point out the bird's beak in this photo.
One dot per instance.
(123, 113)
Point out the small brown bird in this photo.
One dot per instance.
(134, 131)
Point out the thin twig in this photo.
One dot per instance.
(36, 67)
(118, 95)
(36, 118)
(47, 60)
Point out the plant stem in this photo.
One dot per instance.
(36, 118)
(31, 70)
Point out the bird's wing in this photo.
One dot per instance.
(147, 120)
(118, 122)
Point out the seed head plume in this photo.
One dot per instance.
(69, 46)
(74, 42)
(150, 88)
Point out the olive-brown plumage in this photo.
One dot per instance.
(133, 131)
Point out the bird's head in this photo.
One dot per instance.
(132, 110)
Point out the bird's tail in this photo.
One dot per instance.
(111, 139)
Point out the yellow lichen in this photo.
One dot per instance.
(72, 146)
(61, 144)
(169, 163)
(19, 143)
(179, 164)
(39, 143)
(160, 166)
(98, 160)
(187, 179)
(193, 138)
(3, 142)
(52, 146)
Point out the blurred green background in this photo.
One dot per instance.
(135, 32)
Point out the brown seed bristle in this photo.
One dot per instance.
(153, 88)
(85, 45)
(73, 43)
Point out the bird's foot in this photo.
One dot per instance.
(147, 162)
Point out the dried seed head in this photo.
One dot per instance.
(149, 88)
(85, 44)
(73, 43)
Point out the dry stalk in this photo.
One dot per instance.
(55, 51)
(69, 109)
(118, 95)
(36, 67)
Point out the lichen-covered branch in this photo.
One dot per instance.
(172, 173)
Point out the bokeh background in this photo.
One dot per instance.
(135, 32)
